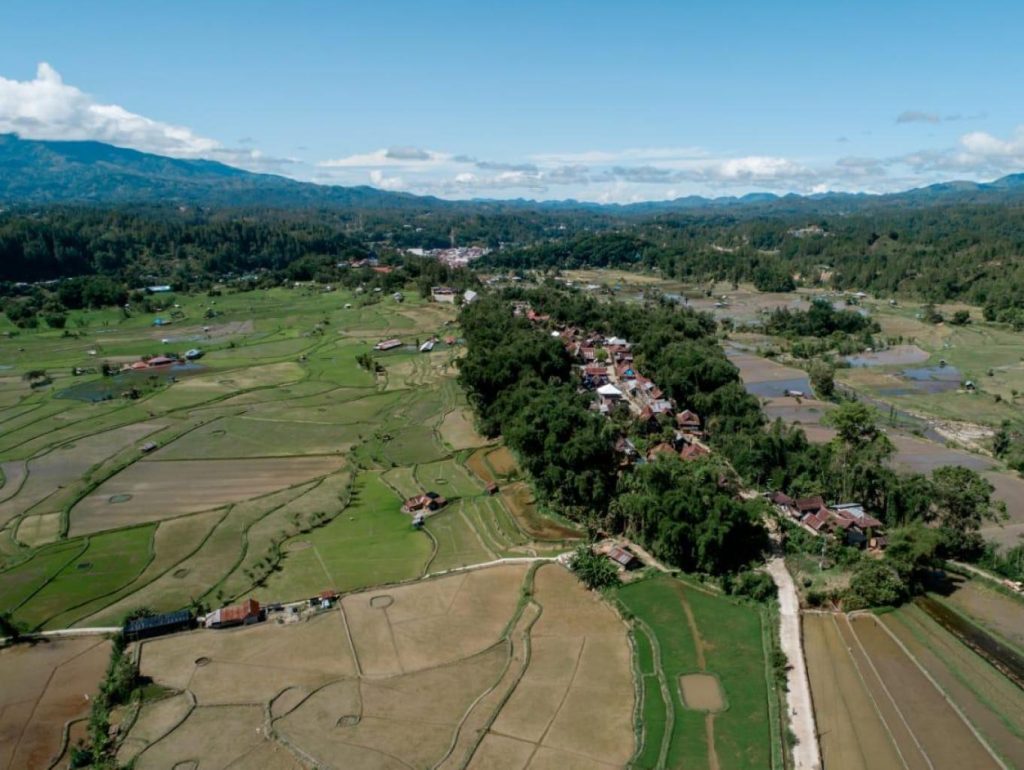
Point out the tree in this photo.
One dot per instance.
(963, 501)
(822, 376)
(594, 570)
(874, 584)
(960, 318)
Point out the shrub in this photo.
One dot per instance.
(594, 570)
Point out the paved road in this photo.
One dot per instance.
(798, 699)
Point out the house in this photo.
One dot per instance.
(469, 296)
(161, 289)
(625, 447)
(625, 372)
(609, 392)
(427, 346)
(157, 625)
(443, 294)
(688, 422)
(246, 613)
(624, 557)
(429, 501)
(784, 504)
(595, 376)
(694, 452)
(148, 447)
(388, 344)
(492, 488)
(193, 354)
(660, 449)
(160, 361)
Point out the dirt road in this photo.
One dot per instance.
(806, 755)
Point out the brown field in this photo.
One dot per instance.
(518, 500)
(851, 732)
(502, 461)
(938, 731)
(477, 463)
(993, 704)
(574, 704)
(432, 622)
(754, 368)
(308, 654)
(402, 721)
(702, 692)
(321, 690)
(161, 489)
(44, 687)
(38, 529)
(67, 464)
(410, 676)
(458, 432)
(995, 611)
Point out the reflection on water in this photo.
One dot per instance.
(107, 388)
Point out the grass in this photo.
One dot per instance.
(108, 562)
(731, 642)
(458, 542)
(274, 385)
(448, 478)
(370, 543)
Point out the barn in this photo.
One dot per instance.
(246, 613)
(157, 625)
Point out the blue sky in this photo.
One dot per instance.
(591, 100)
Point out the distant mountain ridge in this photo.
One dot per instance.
(35, 172)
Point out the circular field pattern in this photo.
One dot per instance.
(180, 573)
(298, 545)
(124, 498)
(349, 720)
(219, 432)
(381, 601)
(203, 661)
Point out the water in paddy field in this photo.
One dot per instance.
(778, 388)
(926, 379)
(107, 388)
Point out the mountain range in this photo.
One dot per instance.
(35, 172)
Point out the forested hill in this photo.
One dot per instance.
(40, 172)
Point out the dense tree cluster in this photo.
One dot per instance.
(522, 384)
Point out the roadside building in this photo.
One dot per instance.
(388, 344)
(246, 613)
(158, 625)
(444, 294)
(429, 501)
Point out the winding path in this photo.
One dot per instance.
(806, 755)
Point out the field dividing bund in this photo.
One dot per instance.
(425, 674)
(874, 699)
(703, 652)
(992, 704)
(43, 686)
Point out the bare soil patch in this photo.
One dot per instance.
(991, 609)
(211, 737)
(162, 489)
(433, 622)
(477, 463)
(45, 686)
(702, 692)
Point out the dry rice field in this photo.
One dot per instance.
(444, 672)
(160, 489)
(876, 708)
(45, 687)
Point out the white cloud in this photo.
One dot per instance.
(48, 108)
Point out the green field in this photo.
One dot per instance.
(683, 629)
(279, 378)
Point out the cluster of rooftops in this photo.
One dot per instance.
(846, 521)
(607, 368)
